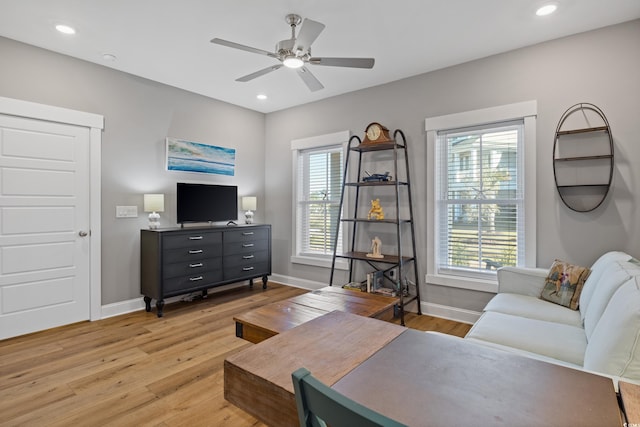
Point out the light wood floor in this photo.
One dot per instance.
(136, 369)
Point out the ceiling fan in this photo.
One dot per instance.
(296, 52)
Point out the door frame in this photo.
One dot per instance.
(95, 124)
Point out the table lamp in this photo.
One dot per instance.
(154, 203)
(249, 204)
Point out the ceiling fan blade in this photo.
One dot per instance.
(242, 47)
(309, 31)
(344, 62)
(309, 79)
(259, 73)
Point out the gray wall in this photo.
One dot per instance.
(138, 114)
(600, 67)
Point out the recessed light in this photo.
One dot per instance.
(109, 57)
(65, 29)
(547, 9)
(261, 96)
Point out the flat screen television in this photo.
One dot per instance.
(206, 202)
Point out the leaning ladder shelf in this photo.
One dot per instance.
(403, 227)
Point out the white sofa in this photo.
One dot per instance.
(602, 336)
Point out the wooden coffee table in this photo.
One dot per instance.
(258, 379)
(269, 320)
(414, 377)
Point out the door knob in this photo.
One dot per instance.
(83, 234)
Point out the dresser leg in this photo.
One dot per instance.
(159, 307)
(264, 282)
(250, 283)
(147, 303)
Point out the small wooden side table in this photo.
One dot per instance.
(269, 320)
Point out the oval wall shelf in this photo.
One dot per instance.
(583, 157)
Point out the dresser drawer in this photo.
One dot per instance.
(191, 253)
(246, 235)
(190, 268)
(248, 258)
(246, 246)
(246, 271)
(195, 238)
(185, 284)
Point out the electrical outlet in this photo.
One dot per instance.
(126, 211)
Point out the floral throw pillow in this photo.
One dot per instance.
(564, 284)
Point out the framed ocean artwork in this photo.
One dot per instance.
(189, 156)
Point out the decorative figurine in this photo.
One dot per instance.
(376, 211)
(376, 248)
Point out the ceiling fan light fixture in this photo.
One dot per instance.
(293, 62)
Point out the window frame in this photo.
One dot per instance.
(526, 111)
(297, 146)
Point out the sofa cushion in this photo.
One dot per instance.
(613, 276)
(533, 308)
(555, 340)
(564, 283)
(614, 346)
(597, 269)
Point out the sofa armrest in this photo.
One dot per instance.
(521, 280)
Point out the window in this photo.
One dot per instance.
(318, 174)
(482, 193)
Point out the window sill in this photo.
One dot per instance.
(319, 262)
(461, 282)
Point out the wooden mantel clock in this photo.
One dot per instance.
(375, 133)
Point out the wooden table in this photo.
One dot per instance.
(258, 379)
(415, 377)
(630, 396)
(269, 320)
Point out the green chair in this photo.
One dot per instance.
(319, 404)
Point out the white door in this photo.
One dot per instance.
(44, 225)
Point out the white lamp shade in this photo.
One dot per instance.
(249, 203)
(154, 202)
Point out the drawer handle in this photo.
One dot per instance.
(247, 256)
(248, 233)
(195, 237)
(247, 245)
(195, 265)
(195, 251)
(247, 268)
(195, 279)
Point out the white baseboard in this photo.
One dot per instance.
(451, 313)
(129, 306)
(431, 309)
(297, 282)
(122, 307)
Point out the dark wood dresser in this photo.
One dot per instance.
(176, 261)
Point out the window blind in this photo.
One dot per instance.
(480, 197)
(318, 199)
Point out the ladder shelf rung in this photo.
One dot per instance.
(362, 256)
(384, 221)
(374, 183)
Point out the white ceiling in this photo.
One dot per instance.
(168, 40)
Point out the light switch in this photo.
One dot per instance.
(126, 211)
